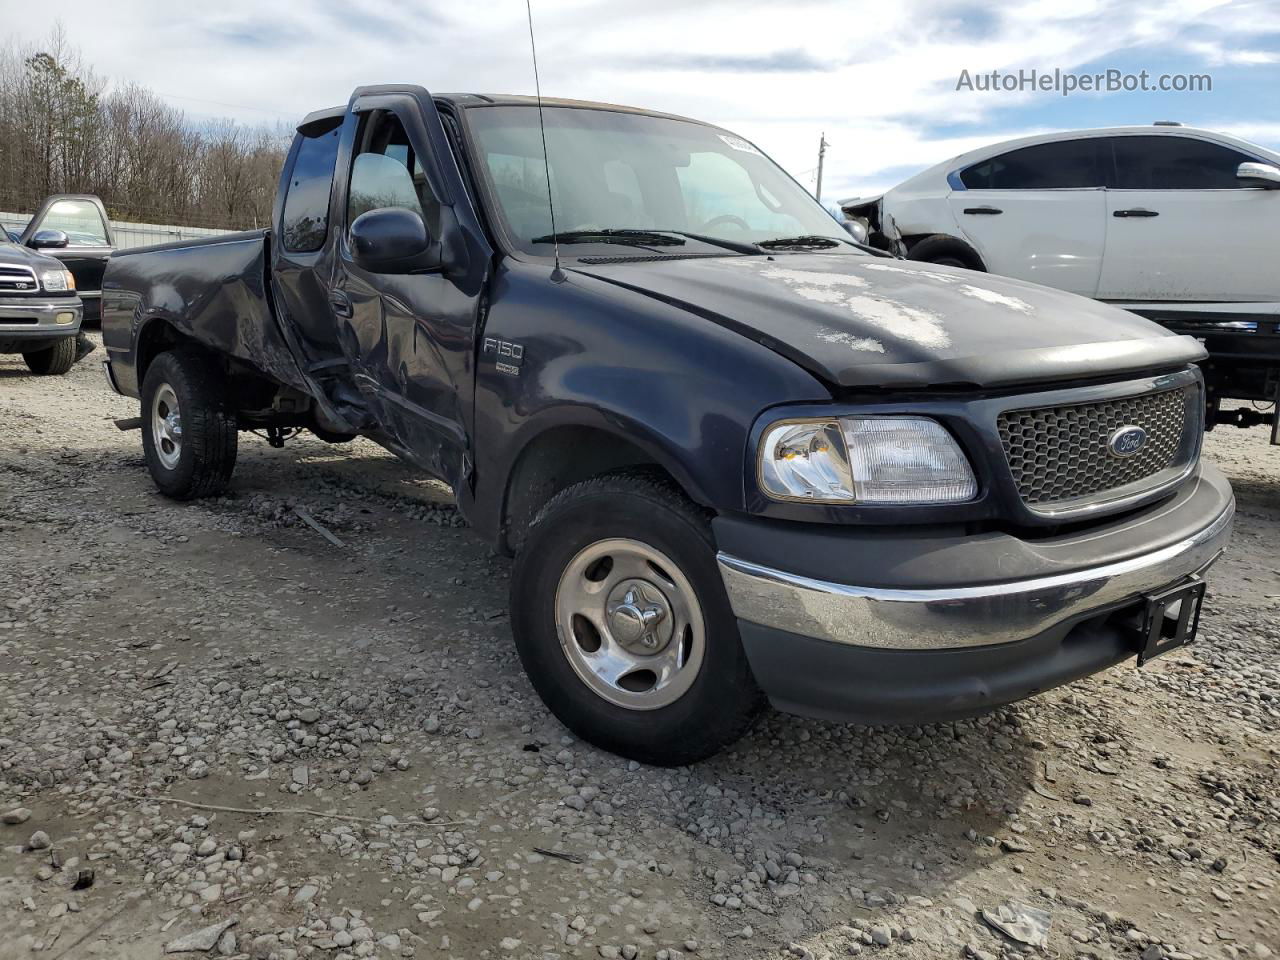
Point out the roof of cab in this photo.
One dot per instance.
(324, 118)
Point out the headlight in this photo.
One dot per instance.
(58, 280)
(865, 460)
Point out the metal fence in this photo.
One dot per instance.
(127, 234)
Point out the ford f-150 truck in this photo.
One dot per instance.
(736, 456)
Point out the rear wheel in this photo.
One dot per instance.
(189, 433)
(54, 360)
(623, 626)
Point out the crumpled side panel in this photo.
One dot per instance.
(217, 293)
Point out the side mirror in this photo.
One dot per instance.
(393, 240)
(856, 229)
(49, 240)
(1259, 175)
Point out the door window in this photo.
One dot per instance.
(306, 204)
(387, 173)
(1175, 163)
(79, 220)
(1046, 166)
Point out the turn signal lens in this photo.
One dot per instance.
(805, 461)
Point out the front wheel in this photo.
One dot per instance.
(945, 251)
(54, 360)
(189, 433)
(623, 625)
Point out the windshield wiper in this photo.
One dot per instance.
(800, 243)
(634, 238)
(738, 246)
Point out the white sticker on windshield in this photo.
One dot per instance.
(737, 143)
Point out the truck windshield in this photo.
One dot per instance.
(614, 172)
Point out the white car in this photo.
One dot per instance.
(1171, 222)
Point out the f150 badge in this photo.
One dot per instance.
(507, 355)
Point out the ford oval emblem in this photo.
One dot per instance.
(1127, 441)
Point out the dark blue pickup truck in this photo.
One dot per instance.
(737, 457)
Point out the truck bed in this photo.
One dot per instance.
(215, 290)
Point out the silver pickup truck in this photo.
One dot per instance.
(40, 312)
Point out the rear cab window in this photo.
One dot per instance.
(306, 204)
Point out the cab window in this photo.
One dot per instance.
(387, 173)
(306, 204)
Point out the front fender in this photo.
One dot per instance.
(679, 387)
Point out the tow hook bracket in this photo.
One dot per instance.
(1171, 619)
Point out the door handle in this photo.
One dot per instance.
(340, 303)
(1136, 212)
(989, 211)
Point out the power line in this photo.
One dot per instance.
(234, 106)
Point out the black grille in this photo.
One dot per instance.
(1061, 453)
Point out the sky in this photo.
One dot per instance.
(878, 79)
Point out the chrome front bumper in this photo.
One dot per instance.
(39, 319)
(958, 616)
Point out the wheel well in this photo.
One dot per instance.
(945, 243)
(557, 459)
(156, 337)
(244, 388)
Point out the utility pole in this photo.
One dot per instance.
(822, 151)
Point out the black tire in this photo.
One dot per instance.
(54, 360)
(206, 454)
(946, 251)
(723, 700)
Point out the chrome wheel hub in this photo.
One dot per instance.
(166, 426)
(639, 617)
(630, 624)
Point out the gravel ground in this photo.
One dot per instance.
(221, 732)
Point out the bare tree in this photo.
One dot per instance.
(64, 129)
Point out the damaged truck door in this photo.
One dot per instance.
(738, 459)
(388, 306)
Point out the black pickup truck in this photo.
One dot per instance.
(74, 228)
(736, 456)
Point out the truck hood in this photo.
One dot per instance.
(873, 322)
(11, 254)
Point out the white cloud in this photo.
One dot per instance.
(889, 78)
